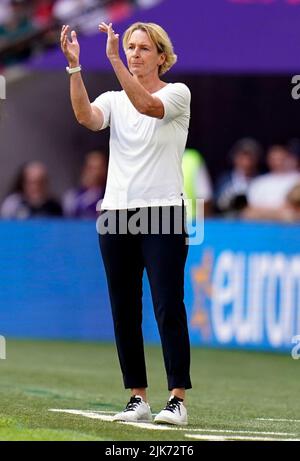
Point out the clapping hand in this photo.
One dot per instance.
(71, 48)
(112, 45)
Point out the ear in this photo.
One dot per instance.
(162, 58)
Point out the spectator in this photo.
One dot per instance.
(43, 12)
(289, 212)
(81, 202)
(232, 187)
(197, 183)
(18, 25)
(269, 191)
(84, 15)
(5, 11)
(294, 149)
(292, 207)
(30, 197)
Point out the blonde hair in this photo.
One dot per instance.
(160, 39)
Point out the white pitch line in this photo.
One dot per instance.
(227, 431)
(280, 420)
(87, 414)
(160, 427)
(235, 437)
(100, 412)
(150, 426)
(209, 438)
(103, 412)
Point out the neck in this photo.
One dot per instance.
(150, 83)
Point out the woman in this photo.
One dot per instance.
(149, 122)
(30, 196)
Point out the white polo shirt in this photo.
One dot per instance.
(145, 152)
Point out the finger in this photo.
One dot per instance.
(74, 36)
(65, 42)
(103, 27)
(110, 29)
(62, 38)
(64, 31)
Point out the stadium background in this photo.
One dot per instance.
(242, 283)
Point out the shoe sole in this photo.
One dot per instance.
(173, 423)
(133, 421)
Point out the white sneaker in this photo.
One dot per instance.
(173, 413)
(136, 411)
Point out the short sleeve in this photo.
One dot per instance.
(103, 102)
(176, 99)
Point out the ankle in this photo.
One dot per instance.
(179, 393)
(140, 392)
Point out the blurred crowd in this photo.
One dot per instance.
(241, 192)
(31, 197)
(258, 185)
(29, 26)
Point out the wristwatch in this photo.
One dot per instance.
(73, 70)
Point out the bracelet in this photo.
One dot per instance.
(73, 70)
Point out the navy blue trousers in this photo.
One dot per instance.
(125, 257)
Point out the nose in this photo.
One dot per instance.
(136, 52)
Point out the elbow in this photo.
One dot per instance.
(144, 109)
(152, 109)
(83, 121)
(88, 124)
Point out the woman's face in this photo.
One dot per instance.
(35, 184)
(142, 56)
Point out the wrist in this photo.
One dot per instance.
(114, 59)
(74, 64)
(73, 70)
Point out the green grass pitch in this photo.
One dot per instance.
(235, 395)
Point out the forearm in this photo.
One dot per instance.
(80, 100)
(138, 95)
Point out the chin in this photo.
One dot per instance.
(136, 72)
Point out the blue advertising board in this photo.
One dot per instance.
(242, 285)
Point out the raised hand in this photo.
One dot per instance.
(112, 44)
(71, 49)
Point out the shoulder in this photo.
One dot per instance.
(12, 199)
(111, 94)
(181, 87)
(260, 181)
(177, 88)
(11, 204)
(224, 178)
(108, 98)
